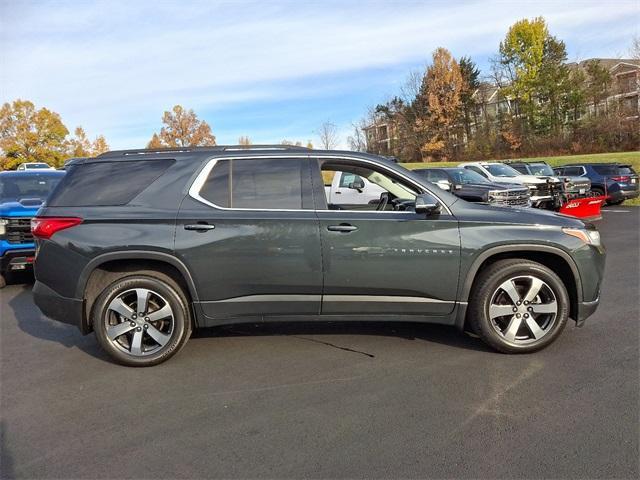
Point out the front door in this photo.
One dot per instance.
(388, 259)
(249, 236)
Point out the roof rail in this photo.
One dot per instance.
(216, 148)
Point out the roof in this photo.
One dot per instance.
(30, 173)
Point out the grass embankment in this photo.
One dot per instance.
(631, 158)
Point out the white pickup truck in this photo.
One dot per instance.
(351, 189)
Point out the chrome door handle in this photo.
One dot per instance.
(199, 227)
(346, 228)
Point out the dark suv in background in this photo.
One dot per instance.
(473, 187)
(616, 180)
(157, 242)
(574, 185)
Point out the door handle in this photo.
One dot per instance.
(200, 227)
(343, 227)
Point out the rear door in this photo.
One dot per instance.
(249, 235)
(386, 261)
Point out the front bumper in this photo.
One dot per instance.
(585, 310)
(17, 260)
(59, 308)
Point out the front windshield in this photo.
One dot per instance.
(33, 186)
(462, 176)
(541, 169)
(501, 170)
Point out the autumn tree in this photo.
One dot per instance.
(441, 92)
(81, 146)
(30, 135)
(244, 141)
(182, 128)
(328, 134)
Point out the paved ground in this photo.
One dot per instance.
(330, 400)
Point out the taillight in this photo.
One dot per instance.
(46, 227)
(621, 179)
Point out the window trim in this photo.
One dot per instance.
(198, 183)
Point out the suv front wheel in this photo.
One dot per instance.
(142, 319)
(518, 306)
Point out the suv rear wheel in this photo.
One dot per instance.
(142, 319)
(519, 306)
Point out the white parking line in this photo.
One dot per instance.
(616, 211)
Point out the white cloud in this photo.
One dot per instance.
(110, 65)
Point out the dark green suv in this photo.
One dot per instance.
(143, 246)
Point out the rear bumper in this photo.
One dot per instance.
(59, 308)
(624, 195)
(17, 260)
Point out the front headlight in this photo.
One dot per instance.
(3, 228)
(591, 237)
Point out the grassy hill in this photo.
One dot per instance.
(632, 158)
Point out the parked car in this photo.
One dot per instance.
(575, 186)
(21, 195)
(546, 192)
(156, 243)
(616, 180)
(34, 166)
(473, 187)
(352, 190)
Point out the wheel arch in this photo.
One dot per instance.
(554, 258)
(108, 267)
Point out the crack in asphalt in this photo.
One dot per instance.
(329, 344)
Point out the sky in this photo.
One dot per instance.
(272, 70)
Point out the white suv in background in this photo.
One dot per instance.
(546, 192)
(35, 166)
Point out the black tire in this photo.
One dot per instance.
(487, 286)
(596, 192)
(617, 202)
(166, 289)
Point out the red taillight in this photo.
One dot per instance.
(620, 179)
(45, 227)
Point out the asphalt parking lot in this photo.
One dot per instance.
(331, 400)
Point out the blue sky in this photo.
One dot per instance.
(269, 69)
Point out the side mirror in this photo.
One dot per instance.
(427, 204)
(358, 184)
(444, 185)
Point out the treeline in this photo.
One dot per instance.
(531, 103)
(28, 134)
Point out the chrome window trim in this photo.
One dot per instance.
(201, 178)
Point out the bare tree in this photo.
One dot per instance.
(635, 47)
(358, 141)
(328, 134)
(245, 141)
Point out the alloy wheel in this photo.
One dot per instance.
(139, 322)
(523, 310)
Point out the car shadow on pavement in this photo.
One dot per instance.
(441, 334)
(32, 322)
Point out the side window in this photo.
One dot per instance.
(348, 178)
(476, 169)
(383, 190)
(435, 175)
(521, 168)
(572, 171)
(258, 184)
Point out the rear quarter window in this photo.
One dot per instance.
(606, 169)
(107, 183)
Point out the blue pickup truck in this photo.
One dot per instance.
(21, 195)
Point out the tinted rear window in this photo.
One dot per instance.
(605, 169)
(106, 183)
